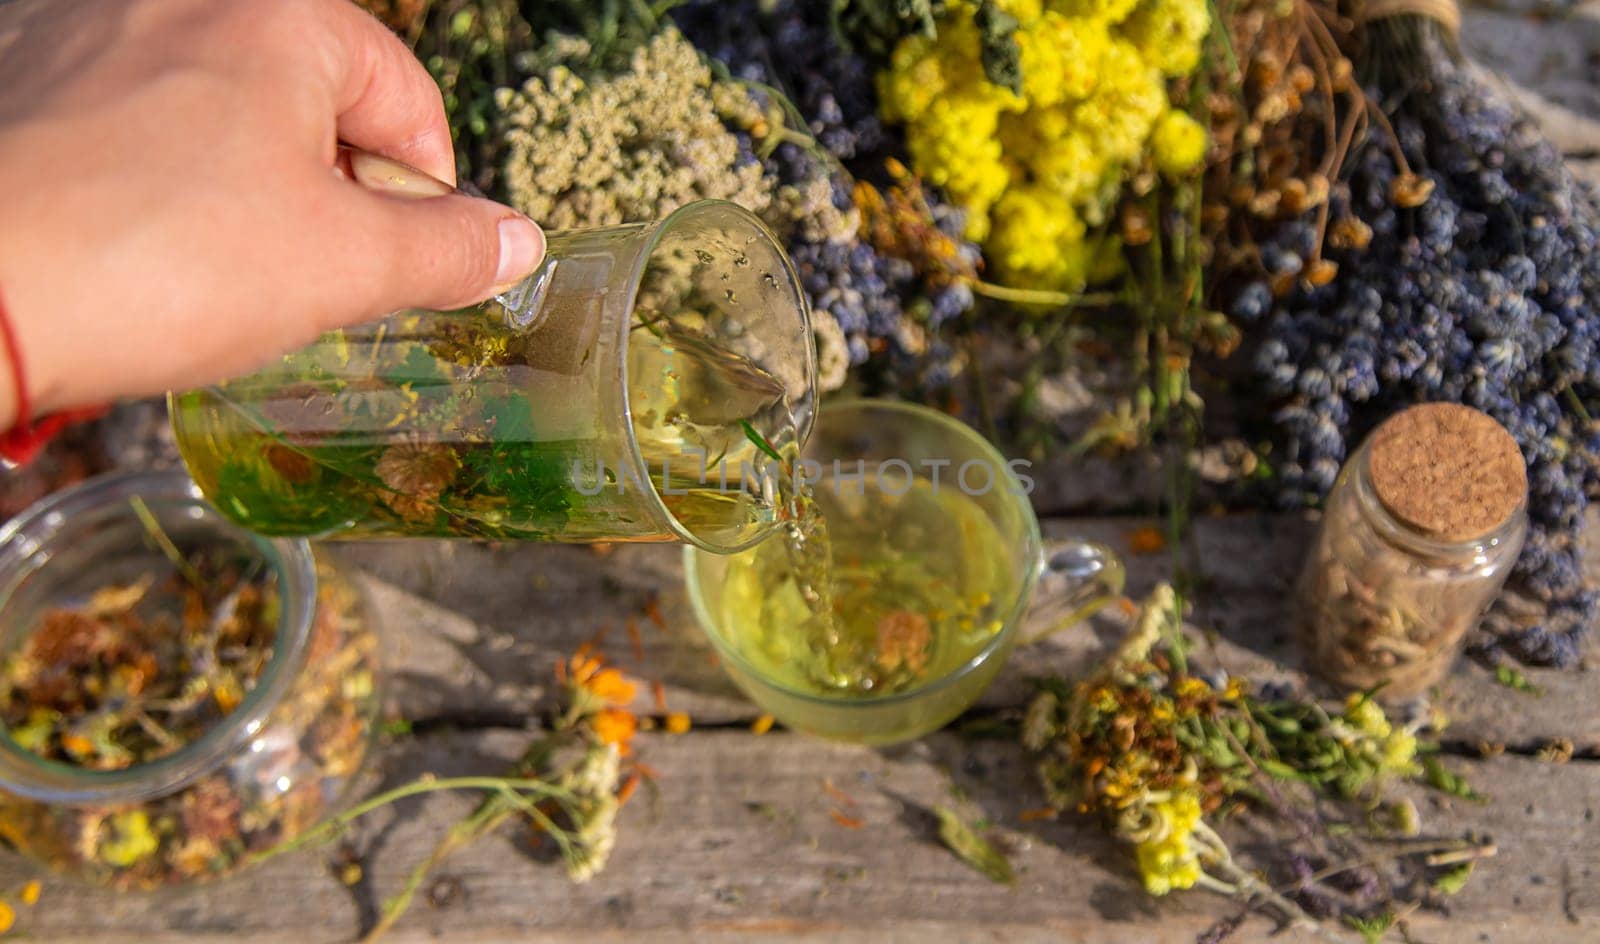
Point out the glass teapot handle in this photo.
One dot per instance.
(523, 302)
(389, 176)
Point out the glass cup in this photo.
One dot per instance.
(282, 760)
(594, 402)
(892, 441)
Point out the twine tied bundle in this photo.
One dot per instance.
(1446, 13)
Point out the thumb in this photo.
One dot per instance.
(434, 247)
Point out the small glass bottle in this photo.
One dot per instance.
(622, 393)
(277, 761)
(1418, 536)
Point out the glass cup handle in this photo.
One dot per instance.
(1077, 578)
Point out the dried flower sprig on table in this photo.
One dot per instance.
(1159, 755)
(568, 785)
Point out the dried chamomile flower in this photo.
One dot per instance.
(1410, 190)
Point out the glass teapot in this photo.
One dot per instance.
(623, 392)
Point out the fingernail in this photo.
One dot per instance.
(521, 250)
(394, 178)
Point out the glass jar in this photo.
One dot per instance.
(277, 763)
(617, 395)
(1393, 585)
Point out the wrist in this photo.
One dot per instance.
(24, 433)
(8, 390)
(13, 393)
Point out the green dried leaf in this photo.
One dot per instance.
(874, 27)
(1280, 770)
(1454, 879)
(760, 441)
(1350, 783)
(510, 419)
(250, 485)
(972, 848)
(1002, 57)
(1513, 679)
(1220, 754)
(1437, 776)
(420, 368)
(1371, 929)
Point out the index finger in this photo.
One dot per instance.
(386, 101)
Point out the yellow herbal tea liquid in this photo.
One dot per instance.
(878, 585)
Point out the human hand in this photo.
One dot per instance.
(171, 211)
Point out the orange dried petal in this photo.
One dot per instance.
(612, 686)
(615, 726)
(1410, 190)
(628, 787)
(652, 612)
(584, 668)
(1349, 232)
(1147, 540)
(633, 637)
(837, 795)
(848, 822)
(1321, 272)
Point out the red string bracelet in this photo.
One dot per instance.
(26, 439)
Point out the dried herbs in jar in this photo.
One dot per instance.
(176, 694)
(1418, 536)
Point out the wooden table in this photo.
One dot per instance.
(739, 843)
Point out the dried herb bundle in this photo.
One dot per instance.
(1468, 276)
(1158, 755)
(1285, 110)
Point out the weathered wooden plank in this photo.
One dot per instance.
(741, 844)
(1548, 66)
(480, 629)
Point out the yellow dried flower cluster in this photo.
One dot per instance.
(1366, 729)
(1167, 857)
(1036, 170)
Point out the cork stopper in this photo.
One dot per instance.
(1448, 471)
